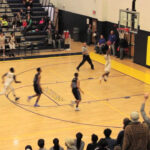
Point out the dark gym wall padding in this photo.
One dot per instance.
(141, 47)
(68, 20)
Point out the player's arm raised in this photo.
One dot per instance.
(16, 80)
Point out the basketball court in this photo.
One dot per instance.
(103, 105)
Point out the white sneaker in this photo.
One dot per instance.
(77, 109)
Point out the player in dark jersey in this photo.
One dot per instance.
(37, 87)
(75, 85)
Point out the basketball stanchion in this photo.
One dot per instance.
(53, 94)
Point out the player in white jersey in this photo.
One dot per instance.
(107, 63)
(7, 80)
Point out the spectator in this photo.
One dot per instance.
(96, 36)
(29, 25)
(136, 135)
(22, 13)
(145, 117)
(28, 147)
(78, 142)
(12, 44)
(89, 34)
(111, 142)
(100, 45)
(28, 11)
(92, 145)
(18, 19)
(70, 144)
(112, 38)
(56, 145)
(102, 145)
(2, 43)
(41, 144)
(126, 121)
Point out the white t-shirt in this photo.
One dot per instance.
(9, 78)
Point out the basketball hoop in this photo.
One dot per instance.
(122, 32)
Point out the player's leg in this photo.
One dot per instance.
(13, 92)
(37, 100)
(90, 62)
(38, 92)
(4, 90)
(82, 62)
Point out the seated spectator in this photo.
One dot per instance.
(102, 145)
(41, 144)
(29, 25)
(18, 19)
(2, 43)
(4, 23)
(143, 113)
(56, 145)
(28, 11)
(28, 147)
(29, 3)
(12, 44)
(111, 142)
(70, 144)
(78, 142)
(136, 135)
(92, 145)
(41, 25)
(100, 45)
(22, 14)
(126, 121)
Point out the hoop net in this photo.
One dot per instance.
(122, 32)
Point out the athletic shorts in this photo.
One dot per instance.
(76, 94)
(37, 89)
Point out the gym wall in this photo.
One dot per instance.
(75, 13)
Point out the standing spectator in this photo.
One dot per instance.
(28, 147)
(89, 34)
(126, 121)
(136, 135)
(2, 43)
(145, 117)
(56, 145)
(93, 145)
(78, 142)
(112, 38)
(111, 142)
(41, 144)
(70, 144)
(12, 44)
(96, 36)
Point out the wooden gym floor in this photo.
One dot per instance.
(103, 105)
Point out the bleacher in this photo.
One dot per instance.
(31, 40)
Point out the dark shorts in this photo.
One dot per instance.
(76, 94)
(37, 89)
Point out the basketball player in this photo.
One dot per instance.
(7, 80)
(107, 63)
(86, 57)
(37, 87)
(75, 85)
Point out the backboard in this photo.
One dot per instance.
(129, 19)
